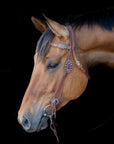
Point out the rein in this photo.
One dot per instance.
(68, 69)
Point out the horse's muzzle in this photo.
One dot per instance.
(32, 124)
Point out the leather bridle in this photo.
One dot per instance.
(68, 69)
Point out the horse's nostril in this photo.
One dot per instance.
(26, 122)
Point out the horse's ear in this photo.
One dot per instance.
(39, 25)
(58, 29)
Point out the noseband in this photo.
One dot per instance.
(68, 69)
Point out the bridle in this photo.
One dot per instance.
(68, 69)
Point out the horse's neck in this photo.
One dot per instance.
(95, 45)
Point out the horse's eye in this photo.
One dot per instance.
(52, 65)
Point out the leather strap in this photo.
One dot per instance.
(58, 91)
(68, 69)
(72, 43)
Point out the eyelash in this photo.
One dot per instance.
(52, 65)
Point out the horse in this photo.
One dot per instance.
(63, 56)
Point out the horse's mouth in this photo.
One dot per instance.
(43, 124)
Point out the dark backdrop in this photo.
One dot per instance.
(89, 118)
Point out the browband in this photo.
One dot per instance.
(62, 46)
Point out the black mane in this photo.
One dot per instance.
(104, 18)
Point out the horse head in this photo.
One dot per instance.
(49, 67)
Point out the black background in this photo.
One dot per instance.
(90, 118)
